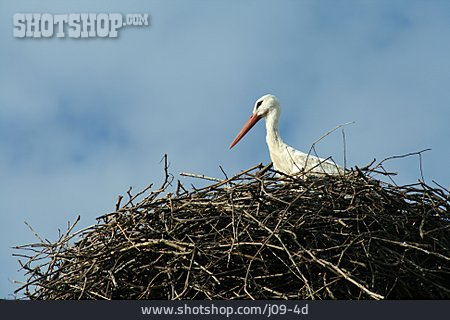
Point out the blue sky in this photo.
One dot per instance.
(81, 120)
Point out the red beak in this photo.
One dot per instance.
(247, 126)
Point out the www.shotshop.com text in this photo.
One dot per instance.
(267, 310)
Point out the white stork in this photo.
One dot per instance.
(285, 158)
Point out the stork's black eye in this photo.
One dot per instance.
(258, 104)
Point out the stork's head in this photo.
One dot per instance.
(263, 107)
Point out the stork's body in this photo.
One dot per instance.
(285, 158)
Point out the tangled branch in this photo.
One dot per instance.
(255, 235)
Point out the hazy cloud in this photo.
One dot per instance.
(82, 120)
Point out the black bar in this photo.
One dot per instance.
(245, 310)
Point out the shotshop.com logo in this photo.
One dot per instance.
(74, 25)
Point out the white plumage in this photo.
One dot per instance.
(285, 158)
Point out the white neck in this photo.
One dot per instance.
(273, 138)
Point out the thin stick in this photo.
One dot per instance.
(199, 176)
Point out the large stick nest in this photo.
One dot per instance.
(255, 235)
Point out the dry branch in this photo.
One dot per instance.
(255, 236)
